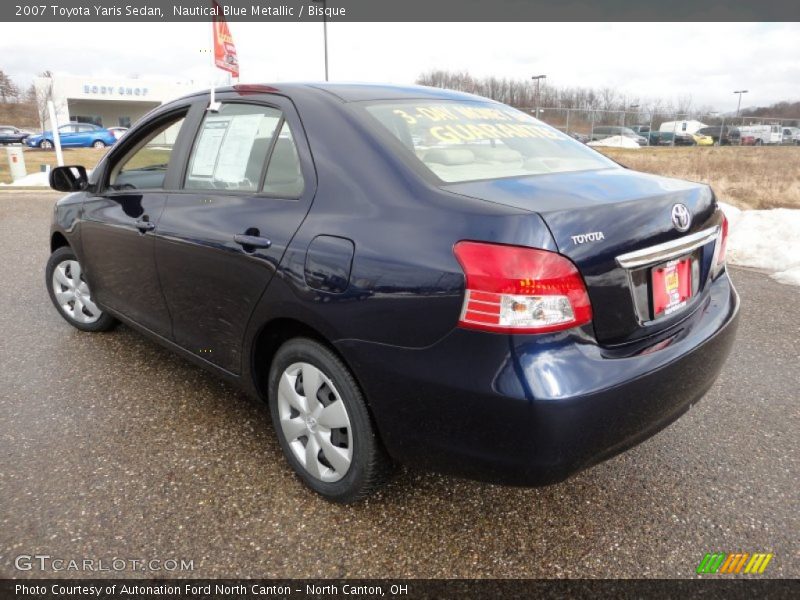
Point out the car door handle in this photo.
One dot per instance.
(144, 225)
(252, 241)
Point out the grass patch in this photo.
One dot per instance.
(87, 157)
(747, 177)
(34, 158)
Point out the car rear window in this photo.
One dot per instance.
(469, 141)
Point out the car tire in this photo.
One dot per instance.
(335, 451)
(70, 293)
(98, 144)
(46, 145)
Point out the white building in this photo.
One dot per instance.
(106, 101)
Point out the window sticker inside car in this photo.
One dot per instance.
(462, 123)
(464, 141)
(236, 147)
(205, 157)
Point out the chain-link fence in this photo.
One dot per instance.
(658, 128)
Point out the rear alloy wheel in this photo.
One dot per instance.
(46, 145)
(323, 424)
(71, 295)
(99, 144)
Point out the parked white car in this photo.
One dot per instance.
(118, 131)
(791, 135)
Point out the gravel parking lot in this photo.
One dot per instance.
(110, 446)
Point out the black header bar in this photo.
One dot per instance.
(402, 10)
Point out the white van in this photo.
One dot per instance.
(763, 134)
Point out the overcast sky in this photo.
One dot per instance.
(666, 60)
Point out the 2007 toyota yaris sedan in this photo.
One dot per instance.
(407, 275)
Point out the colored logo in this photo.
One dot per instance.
(739, 562)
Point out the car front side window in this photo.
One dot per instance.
(144, 166)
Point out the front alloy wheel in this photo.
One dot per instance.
(323, 424)
(71, 294)
(46, 145)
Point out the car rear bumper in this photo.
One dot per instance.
(532, 410)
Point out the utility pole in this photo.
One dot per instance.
(624, 112)
(739, 106)
(537, 79)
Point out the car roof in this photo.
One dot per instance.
(352, 92)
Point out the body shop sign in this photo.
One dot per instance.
(117, 90)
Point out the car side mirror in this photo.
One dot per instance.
(69, 179)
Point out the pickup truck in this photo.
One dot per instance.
(654, 137)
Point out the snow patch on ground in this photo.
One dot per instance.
(39, 178)
(765, 239)
(615, 141)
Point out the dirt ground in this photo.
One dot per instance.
(34, 158)
(747, 177)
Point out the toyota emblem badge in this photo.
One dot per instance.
(681, 217)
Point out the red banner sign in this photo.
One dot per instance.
(224, 48)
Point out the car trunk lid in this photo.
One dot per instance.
(601, 218)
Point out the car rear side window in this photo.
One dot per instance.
(469, 141)
(232, 148)
(284, 177)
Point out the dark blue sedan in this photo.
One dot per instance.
(406, 275)
(74, 135)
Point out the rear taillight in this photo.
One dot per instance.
(722, 242)
(511, 289)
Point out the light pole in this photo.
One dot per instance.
(624, 112)
(324, 31)
(739, 106)
(537, 79)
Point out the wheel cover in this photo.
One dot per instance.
(72, 293)
(315, 422)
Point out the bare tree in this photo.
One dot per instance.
(683, 104)
(9, 91)
(41, 94)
